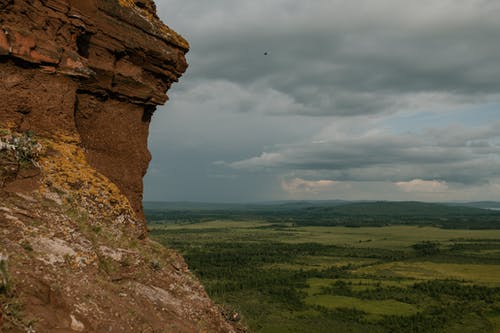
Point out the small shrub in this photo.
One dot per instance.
(96, 229)
(27, 246)
(4, 275)
(155, 265)
(26, 148)
(126, 262)
(105, 265)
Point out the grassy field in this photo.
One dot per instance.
(284, 277)
(478, 274)
(380, 237)
(384, 307)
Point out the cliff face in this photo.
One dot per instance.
(79, 81)
(93, 69)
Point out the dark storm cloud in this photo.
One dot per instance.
(347, 58)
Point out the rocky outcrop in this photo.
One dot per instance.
(79, 82)
(93, 69)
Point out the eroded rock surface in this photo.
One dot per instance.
(71, 271)
(79, 81)
(95, 69)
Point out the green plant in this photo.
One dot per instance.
(96, 229)
(107, 265)
(80, 216)
(4, 275)
(14, 316)
(25, 146)
(155, 265)
(27, 246)
(126, 262)
(68, 259)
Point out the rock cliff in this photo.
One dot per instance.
(92, 69)
(79, 82)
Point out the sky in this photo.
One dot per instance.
(331, 99)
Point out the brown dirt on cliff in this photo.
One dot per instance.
(85, 276)
(76, 263)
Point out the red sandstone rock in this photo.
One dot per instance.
(117, 51)
(4, 44)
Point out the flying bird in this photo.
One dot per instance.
(265, 53)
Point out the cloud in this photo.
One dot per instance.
(337, 57)
(376, 155)
(301, 186)
(264, 160)
(362, 93)
(419, 185)
(224, 95)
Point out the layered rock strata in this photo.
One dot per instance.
(93, 69)
(79, 82)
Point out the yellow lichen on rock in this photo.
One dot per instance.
(149, 15)
(127, 3)
(66, 172)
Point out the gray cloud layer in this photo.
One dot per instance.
(457, 155)
(348, 57)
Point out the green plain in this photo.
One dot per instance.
(282, 276)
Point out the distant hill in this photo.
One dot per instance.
(338, 207)
(266, 205)
(186, 205)
(409, 208)
(331, 213)
(494, 205)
